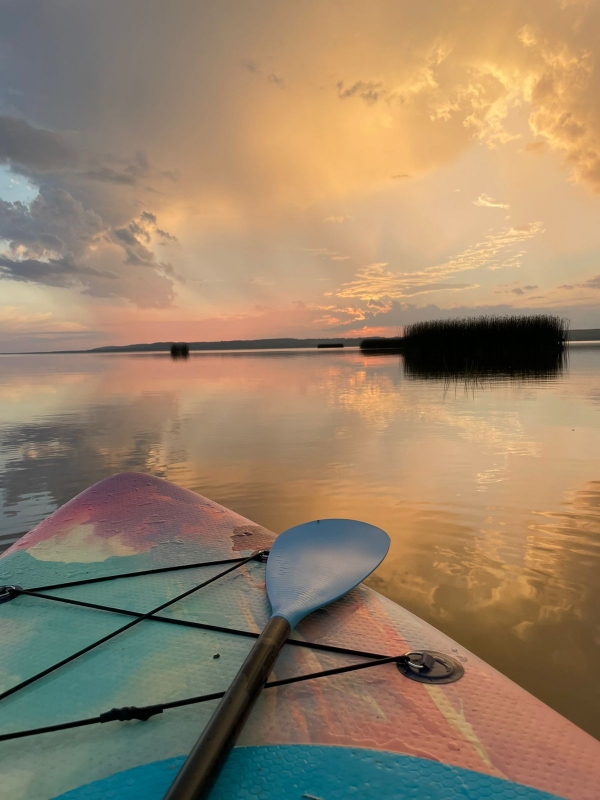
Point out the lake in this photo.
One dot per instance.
(490, 490)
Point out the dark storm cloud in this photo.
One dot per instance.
(57, 241)
(109, 175)
(369, 91)
(135, 237)
(60, 240)
(126, 235)
(124, 173)
(61, 272)
(139, 255)
(53, 222)
(36, 149)
(38, 152)
(172, 175)
(166, 237)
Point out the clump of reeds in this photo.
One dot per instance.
(486, 335)
(480, 346)
(180, 350)
(497, 342)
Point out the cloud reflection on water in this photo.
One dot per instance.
(491, 498)
(521, 593)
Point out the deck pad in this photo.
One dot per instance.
(484, 733)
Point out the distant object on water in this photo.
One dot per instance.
(329, 345)
(479, 346)
(381, 344)
(180, 350)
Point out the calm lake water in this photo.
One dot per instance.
(491, 492)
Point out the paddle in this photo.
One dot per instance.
(308, 567)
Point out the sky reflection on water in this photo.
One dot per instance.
(490, 492)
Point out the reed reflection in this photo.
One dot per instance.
(526, 366)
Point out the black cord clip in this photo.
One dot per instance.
(130, 712)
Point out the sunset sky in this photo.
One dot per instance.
(220, 170)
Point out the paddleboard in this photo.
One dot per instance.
(447, 726)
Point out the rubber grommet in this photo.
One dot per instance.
(445, 669)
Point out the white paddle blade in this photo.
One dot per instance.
(313, 564)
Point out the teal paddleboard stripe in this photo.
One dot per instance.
(293, 772)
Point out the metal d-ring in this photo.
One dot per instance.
(427, 661)
(8, 593)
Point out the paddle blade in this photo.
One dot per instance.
(313, 564)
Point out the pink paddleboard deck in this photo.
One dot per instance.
(371, 733)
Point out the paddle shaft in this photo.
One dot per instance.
(201, 768)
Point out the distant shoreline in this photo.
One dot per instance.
(234, 344)
(577, 335)
(584, 335)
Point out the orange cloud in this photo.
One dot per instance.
(485, 201)
(495, 251)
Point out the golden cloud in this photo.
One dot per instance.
(485, 201)
(495, 251)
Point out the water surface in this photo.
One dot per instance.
(490, 492)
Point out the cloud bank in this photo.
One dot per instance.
(192, 159)
(60, 241)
